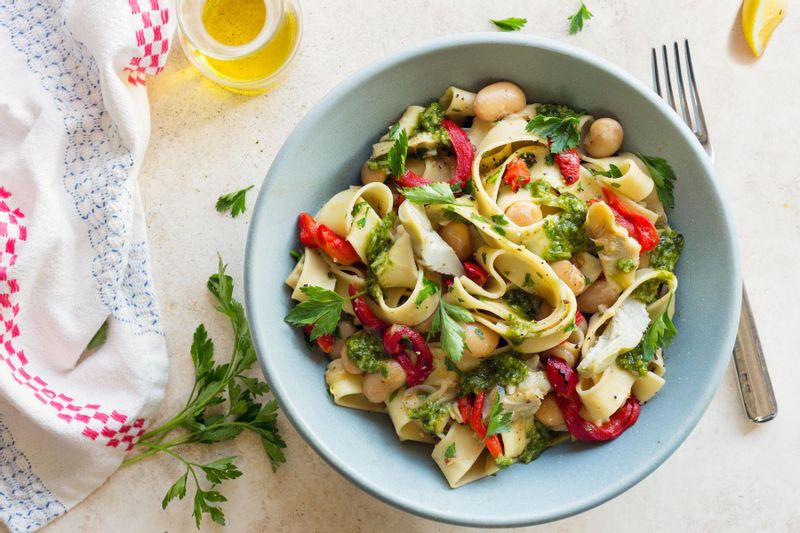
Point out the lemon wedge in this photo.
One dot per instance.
(759, 20)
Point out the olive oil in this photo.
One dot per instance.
(239, 22)
(234, 22)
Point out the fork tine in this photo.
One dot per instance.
(702, 130)
(667, 79)
(687, 117)
(656, 81)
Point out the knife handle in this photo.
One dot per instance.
(751, 369)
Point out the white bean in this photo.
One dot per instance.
(377, 388)
(497, 100)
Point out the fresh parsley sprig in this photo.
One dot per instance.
(434, 193)
(561, 130)
(322, 310)
(224, 402)
(235, 202)
(576, 21)
(446, 321)
(658, 335)
(510, 24)
(398, 153)
(499, 420)
(663, 176)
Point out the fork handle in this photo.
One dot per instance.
(751, 368)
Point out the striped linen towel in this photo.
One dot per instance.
(74, 125)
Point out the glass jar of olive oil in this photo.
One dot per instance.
(244, 45)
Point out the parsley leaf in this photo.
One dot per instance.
(99, 338)
(663, 176)
(510, 24)
(235, 202)
(658, 335)
(394, 131)
(446, 321)
(576, 21)
(613, 172)
(434, 193)
(397, 154)
(322, 309)
(499, 420)
(450, 452)
(562, 131)
(429, 288)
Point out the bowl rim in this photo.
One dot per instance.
(532, 516)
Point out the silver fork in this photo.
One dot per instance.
(748, 356)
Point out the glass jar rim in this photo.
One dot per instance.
(190, 22)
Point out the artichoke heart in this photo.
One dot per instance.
(619, 253)
(623, 333)
(434, 253)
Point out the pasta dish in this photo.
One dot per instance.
(502, 280)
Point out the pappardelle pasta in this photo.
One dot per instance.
(501, 281)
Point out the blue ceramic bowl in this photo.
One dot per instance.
(324, 154)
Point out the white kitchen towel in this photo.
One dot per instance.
(74, 125)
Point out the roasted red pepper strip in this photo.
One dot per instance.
(465, 408)
(569, 162)
(643, 231)
(315, 235)
(411, 179)
(516, 173)
(464, 151)
(475, 272)
(564, 381)
(308, 230)
(364, 313)
(336, 247)
(419, 371)
(476, 420)
(579, 317)
(325, 342)
(493, 445)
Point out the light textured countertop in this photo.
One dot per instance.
(730, 475)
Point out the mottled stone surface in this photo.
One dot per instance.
(728, 476)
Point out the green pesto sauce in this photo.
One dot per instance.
(664, 258)
(380, 238)
(626, 264)
(666, 254)
(565, 230)
(522, 303)
(378, 245)
(539, 439)
(366, 351)
(566, 235)
(558, 110)
(519, 329)
(648, 292)
(431, 118)
(634, 361)
(505, 369)
(430, 121)
(432, 416)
